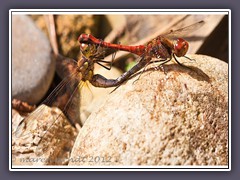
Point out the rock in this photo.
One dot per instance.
(178, 118)
(32, 65)
(45, 137)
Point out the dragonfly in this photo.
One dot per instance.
(164, 48)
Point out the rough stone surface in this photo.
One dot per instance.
(32, 65)
(178, 118)
(45, 137)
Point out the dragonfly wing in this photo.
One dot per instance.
(184, 31)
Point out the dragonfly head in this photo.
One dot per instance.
(181, 47)
(83, 38)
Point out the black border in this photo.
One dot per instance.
(138, 168)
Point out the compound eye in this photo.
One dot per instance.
(83, 38)
(181, 47)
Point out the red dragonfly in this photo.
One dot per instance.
(164, 47)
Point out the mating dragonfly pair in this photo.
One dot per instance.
(163, 48)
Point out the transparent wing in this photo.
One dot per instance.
(184, 31)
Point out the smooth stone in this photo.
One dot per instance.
(32, 65)
(177, 118)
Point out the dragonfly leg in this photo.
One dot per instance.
(182, 64)
(108, 68)
(101, 44)
(177, 60)
(164, 61)
(162, 67)
(189, 58)
(140, 74)
(110, 64)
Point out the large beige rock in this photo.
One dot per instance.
(178, 118)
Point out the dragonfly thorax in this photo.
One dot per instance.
(158, 49)
(85, 68)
